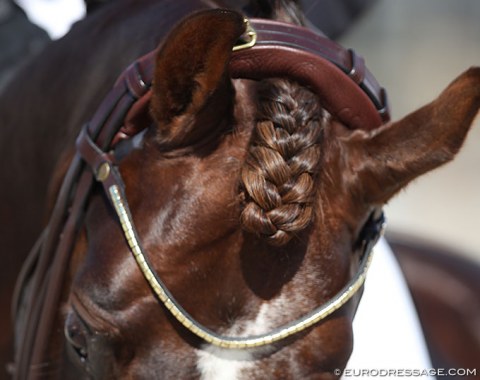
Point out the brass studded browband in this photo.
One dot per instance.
(108, 174)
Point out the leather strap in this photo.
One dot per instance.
(313, 60)
(339, 76)
(58, 243)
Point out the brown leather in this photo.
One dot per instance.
(315, 61)
(339, 76)
(354, 110)
(35, 301)
(62, 229)
(282, 50)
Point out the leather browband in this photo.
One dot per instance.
(338, 76)
(284, 50)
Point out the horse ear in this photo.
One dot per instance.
(191, 73)
(384, 160)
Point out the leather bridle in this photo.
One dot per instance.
(348, 91)
(107, 173)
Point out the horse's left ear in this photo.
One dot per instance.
(384, 160)
(191, 75)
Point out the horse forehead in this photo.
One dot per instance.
(200, 181)
(176, 205)
(177, 195)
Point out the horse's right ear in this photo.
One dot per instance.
(191, 74)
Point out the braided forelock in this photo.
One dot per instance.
(280, 170)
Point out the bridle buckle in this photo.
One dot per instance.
(247, 39)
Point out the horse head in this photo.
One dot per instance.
(250, 199)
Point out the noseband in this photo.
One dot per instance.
(269, 49)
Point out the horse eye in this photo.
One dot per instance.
(76, 334)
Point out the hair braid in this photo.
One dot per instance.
(279, 173)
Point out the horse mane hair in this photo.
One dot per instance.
(281, 10)
(279, 174)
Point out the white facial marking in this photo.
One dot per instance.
(215, 363)
(223, 364)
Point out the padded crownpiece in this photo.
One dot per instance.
(337, 75)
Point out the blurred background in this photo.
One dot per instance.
(415, 48)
